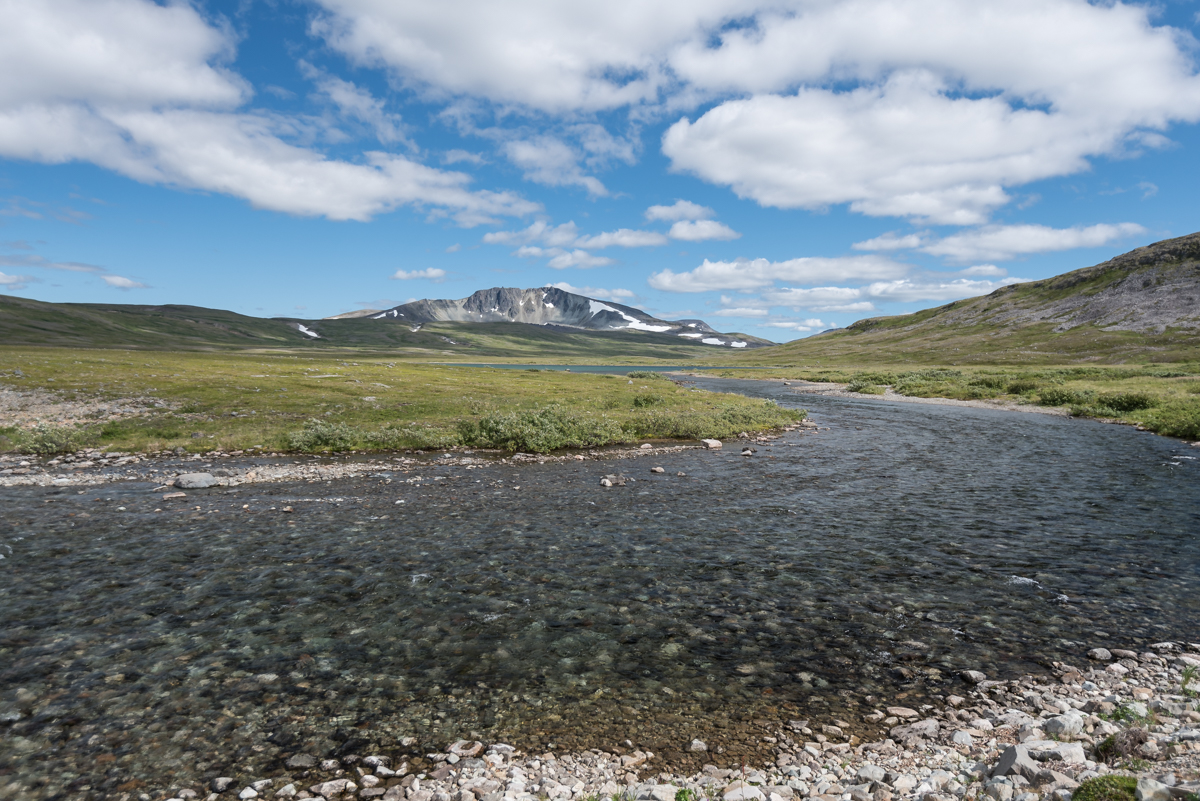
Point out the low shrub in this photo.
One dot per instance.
(1106, 788)
(394, 438)
(1127, 401)
(540, 430)
(45, 440)
(1057, 396)
(644, 400)
(864, 388)
(1179, 419)
(989, 381)
(647, 375)
(1021, 386)
(320, 435)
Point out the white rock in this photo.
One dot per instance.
(248, 793)
(962, 738)
(1150, 790)
(698, 745)
(741, 791)
(712, 444)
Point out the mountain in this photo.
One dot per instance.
(550, 306)
(1141, 306)
(25, 322)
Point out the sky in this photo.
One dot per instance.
(774, 167)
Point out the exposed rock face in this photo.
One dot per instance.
(555, 307)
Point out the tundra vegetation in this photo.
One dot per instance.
(154, 401)
(1161, 398)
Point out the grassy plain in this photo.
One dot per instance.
(317, 401)
(1164, 398)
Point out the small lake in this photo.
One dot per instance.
(826, 575)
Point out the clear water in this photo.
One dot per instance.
(826, 574)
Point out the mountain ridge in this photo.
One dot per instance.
(551, 306)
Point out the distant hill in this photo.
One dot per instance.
(25, 322)
(1140, 306)
(550, 306)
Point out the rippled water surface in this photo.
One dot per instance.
(870, 561)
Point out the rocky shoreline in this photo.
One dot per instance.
(96, 466)
(1033, 738)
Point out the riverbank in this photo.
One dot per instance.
(1111, 713)
(61, 401)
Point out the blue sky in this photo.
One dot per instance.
(773, 168)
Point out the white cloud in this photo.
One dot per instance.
(15, 282)
(757, 273)
(542, 54)
(623, 237)
(454, 248)
(138, 88)
(889, 241)
(741, 311)
(616, 295)
(864, 298)
(358, 104)
(120, 282)
(41, 262)
(550, 161)
(811, 324)
(984, 269)
(539, 231)
(561, 259)
(1004, 242)
(409, 275)
(567, 235)
(680, 210)
(456, 156)
(701, 230)
(577, 258)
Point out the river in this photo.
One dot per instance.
(826, 574)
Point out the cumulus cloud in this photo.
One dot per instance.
(890, 241)
(811, 324)
(568, 235)
(1004, 242)
(984, 269)
(701, 230)
(938, 120)
(409, 275)
(749, 274)
(561, 259)
(864, 298)
(622, 237)
(680, 210)
(15, 282)
(550, 161)
(741, 311)
(141, 89)
(539, 231)
(616, 295)
(120, 282)
(356, 103)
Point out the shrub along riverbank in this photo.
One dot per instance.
(1162, 398)
(58, 400)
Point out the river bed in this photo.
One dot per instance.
(869, 561)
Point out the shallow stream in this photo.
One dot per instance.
(825, 575)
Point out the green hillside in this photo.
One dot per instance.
(192, 328)
(1141, 307)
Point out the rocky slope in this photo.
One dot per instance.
(1147, 290)
(549, 306)
(1140, 306)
